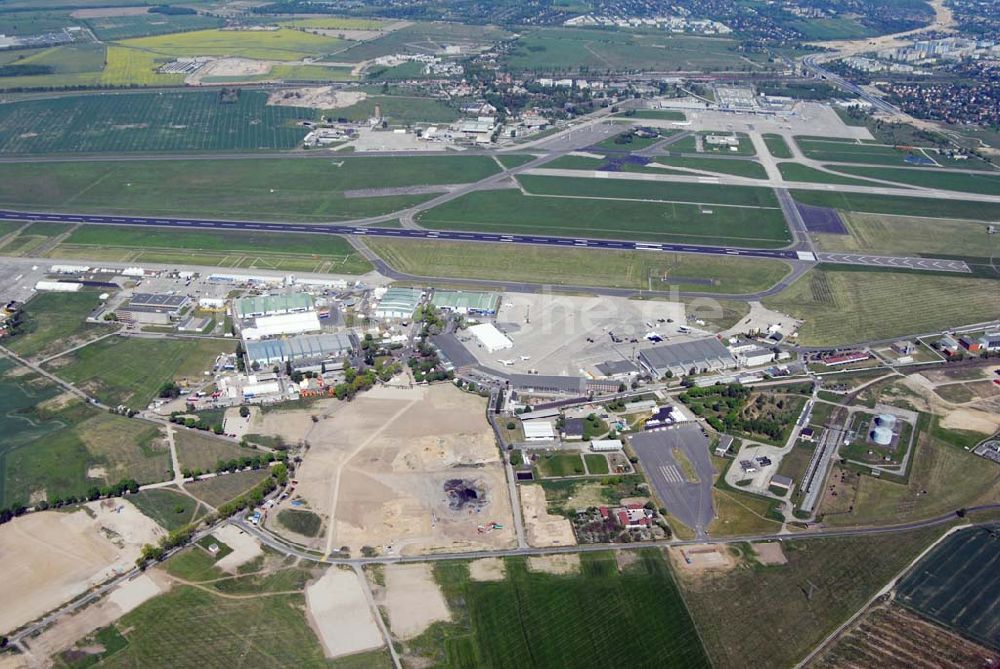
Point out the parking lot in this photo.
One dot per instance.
(688, 502)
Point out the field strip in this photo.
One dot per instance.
(633, 199)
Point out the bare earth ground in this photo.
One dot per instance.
(105, 12)
(543, 528)
(696, 560)
(322, 97)
(769, 553)
(229, 67)
(555, 564)
(985, 421)
(487, 569)
(245, 547)
(123, 599)
(47, 558)
(376, 470)
(412, 599)
(339, 614)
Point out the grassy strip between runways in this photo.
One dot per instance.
(579, 267)
(845, 306)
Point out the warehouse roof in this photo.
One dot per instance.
(399, 300)
(158, 300)
(613, 367)
(270, 326)
(491, 338)
(686, 354)
(265, 305)
(460, 300)
(304, 347)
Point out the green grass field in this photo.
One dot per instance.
(33, 22)
(318, 253)
(130, 370)
(963, 182)
(56, 446)
(248, 631)
(170, 509)
(553, 465)
(576, 216)
(422, 37)
(55, 322)
(841, 151)
(778, 147)
(940, 460)
(739, 168)
(535, 620)
(901, 206)
(742, 196)
(335, 23)
(305, 523)
(597, 463)
(399, 109)
(799, 172)
(174, 121)
(288, 189)
(221, 489)
(739, 612)
(198, 451)
(657, 114)
(578, 49)
(843, 306)
(579, 267)
(908, 235)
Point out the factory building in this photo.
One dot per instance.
(153, 308)
(272, 305)
(465, 302)
(490, 338)
(398, 303)
(680, 359)
(282, 324)
(303, 350)
(59, 286)
(539, 430)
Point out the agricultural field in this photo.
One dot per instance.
(55, 322)
(891, 637)
(579, 267)
(907, 235)
(175, 121)
(33, 23)
(577, 49)
(74, 64)
(956, 585)
(302, 522)
(846, 571)
(131, 370)
(579, 216)
(218, 490)
(56, 446)
(335, 23)
(965, 182)
(528, 618)
(739, 168)
(283, 44)
(844, 306)
(314, 253)
(114, 28)
(288, 189)
(900, 205)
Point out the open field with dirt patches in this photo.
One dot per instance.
(402, 470)
(56, 322)
(51, 557)
(907, 235)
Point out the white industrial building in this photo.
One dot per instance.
(59, 286)
(538, 430)
(603, 445)
(490, 338)
(283, 324)
(398, 303)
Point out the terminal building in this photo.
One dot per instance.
(464, 302)
(700, 355)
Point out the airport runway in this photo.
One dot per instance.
(928, 264)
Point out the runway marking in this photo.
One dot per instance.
(671, 474)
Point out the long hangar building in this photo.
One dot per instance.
(679, 359)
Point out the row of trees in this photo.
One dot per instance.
(237, 464)
(120, 489)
